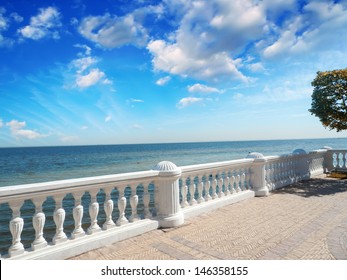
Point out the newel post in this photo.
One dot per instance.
(258, 174)
(169, 213)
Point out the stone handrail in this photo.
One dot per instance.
(60, 219)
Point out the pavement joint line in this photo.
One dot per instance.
(201, 248)
(173, 252)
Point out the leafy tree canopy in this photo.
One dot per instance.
(329, 99)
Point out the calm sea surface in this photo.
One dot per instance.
(41, 164)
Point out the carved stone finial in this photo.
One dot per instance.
(167, 168)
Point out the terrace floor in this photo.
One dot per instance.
(307, 220)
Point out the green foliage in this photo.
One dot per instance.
(329, 99)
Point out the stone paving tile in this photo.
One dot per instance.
(307, 220)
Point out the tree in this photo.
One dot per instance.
(329, 98)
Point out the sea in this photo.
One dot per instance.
(26, 165)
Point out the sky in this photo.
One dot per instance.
(116, 72)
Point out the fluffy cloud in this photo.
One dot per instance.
(173, 59)
(92, 78)
(199, 88)
(17, 130)
(42, 25)
(209, 38)
(320, 25)
(4, 25)
(187, 101)
(163, 81)
(85, 75)
(112, 31)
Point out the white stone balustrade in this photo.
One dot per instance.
(106, 209)
(336, 159)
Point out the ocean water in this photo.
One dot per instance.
(41, 164)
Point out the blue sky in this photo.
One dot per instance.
(109, 72)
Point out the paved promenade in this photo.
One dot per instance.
(304, 221)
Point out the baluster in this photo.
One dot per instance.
(108, 207)
(248, 179)
(201, 190)
(238, 179)
(184, 191)
(214, 187)
(122, 202)
(77, 214)
(207, 186)
(93, 212)
(134, 200)
(340, 160)
(227, 184)
(334, 160)
(192, 188)
(220, 186)
(16, 228)
(243, 181)
(232, 184)
(344, 160)
(38, 223)
(146, 201)
(59, 218)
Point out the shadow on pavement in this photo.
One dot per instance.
(315, 187)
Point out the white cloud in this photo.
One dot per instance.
(84, 127)
(320, 26)
(108, 118)
(133, 100)
(187, 101)
(112, 31)
(90, 79)
(44, 24)
(85, 75)
(199, 88)
(83, 63)
(4, 25)
(16, 17)
(163, 81)
(17, 130)
(1, 123)
(209, 38)
(256, 67)
(173, 59)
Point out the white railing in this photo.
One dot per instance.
(336, 159)
(57, 220)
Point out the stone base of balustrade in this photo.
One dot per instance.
(171, 221)
(208, 206)
(74, 247)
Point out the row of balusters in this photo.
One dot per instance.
(285, 172)
(339, 159)
(16, 223)
(197, 189)
(278, 173)
(193, 189)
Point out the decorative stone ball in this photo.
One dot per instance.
(167, 168)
